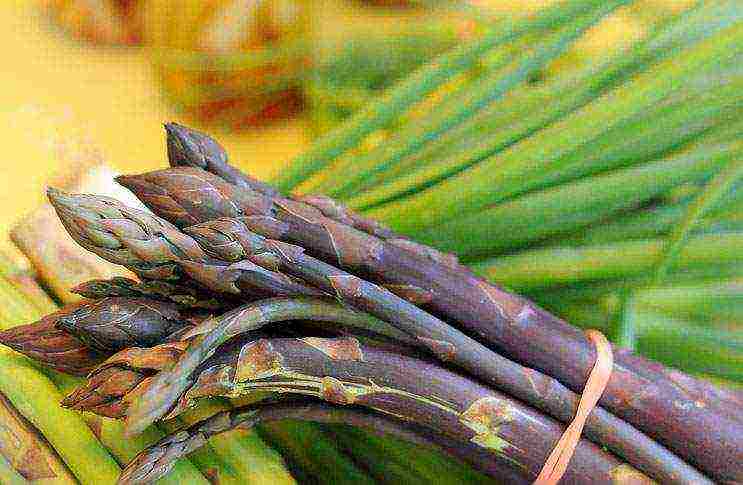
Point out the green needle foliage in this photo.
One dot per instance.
(610, 193)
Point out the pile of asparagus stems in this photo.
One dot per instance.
(244, 291)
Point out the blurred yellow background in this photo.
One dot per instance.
(66, 102)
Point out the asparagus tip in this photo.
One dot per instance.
(9, 338)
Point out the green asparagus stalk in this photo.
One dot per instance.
(27, 454)
(37, 398)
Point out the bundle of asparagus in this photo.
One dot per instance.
(610, 194)
(370, 330)
(400, 338)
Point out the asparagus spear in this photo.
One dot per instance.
(37, 398)
(57, 262)
(190, 148)
(44, 342)
(218, 463)
(226, 238)
(106, 433)
(112, 324)
(27, 453)
(196, 149)
(155, 461)
(342, 371)
(77, 338)
(508, 323)
(182, 295)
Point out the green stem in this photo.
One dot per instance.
(312, 455)
(362, 171)
(412, 89)
(529, 110)
(716, 190)
(564, 265)
(561, 146)
(565, 208)
(37, 399)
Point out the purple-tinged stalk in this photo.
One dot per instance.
(111, 387)
(235, 241)
(156, 461)
(190, 148)
(343, 372)
(77, 338)
(425, 330)
(185, 296)
(44, 342)
(509, 324)
(116, 323)
(155, 249)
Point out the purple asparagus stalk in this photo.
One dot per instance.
(155, 249)
(184, 296)
(344, 372)
(111, 386)
(190, 148)
(156, 461)
(688, 423)
(43, 341)
(113, 324)
(232, 237)
(75, 339)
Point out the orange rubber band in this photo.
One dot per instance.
(557, 461)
